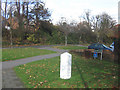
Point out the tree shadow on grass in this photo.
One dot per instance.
(81, 76)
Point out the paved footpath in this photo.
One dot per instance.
(9, 78)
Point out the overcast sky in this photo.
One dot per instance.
(73, 9)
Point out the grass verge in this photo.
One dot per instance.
(70, 47)
(86, 73)
(18, 53)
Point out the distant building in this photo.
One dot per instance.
(13, 22)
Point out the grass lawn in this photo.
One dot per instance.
(70, 47)
(0, 54)
(18, 53)
(85, 73)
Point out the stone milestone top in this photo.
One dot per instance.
(65, 53)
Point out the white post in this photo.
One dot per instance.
(101, 56)
(8, 28)
(65, 65)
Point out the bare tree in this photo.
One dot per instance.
(105, 24)
(5, 11)
(102, 25)
(27, 15)
(83, 31)
(39, 13)
(95, 21)
(65, 28)
(87, 17)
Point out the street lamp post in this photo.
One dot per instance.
(8, 28)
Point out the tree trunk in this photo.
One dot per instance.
(5, 11)
(23, 9)
(18, 7)
(117, 48)
(20, 20)
(0, 31)
(79, 39)
(98, 40)
(11, 43)
(27, 17)
(65, 40)
(118, 54)
(37, 18)
(116, 51)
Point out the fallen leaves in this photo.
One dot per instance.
(114, 77)
(45, 81)
(29, 82)
(41, 75)
(39, 84)
(73, 86)
(99, 80)
(100, 85)
(35, 86)
(30, 76)
(27, 71)
(94, 85)
(94, 76)
(64, 83)
(48, 86)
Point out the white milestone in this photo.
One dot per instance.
(65, 65)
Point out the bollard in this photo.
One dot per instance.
(65, 65)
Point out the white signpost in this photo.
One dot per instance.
(65, 65)
(8, 28)
(98, 51)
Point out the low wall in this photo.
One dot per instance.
(88, 53)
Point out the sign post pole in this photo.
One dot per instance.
(95, 55)
(101, 56)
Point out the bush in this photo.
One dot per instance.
(32, 38)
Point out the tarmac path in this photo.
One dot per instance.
(9, 78)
